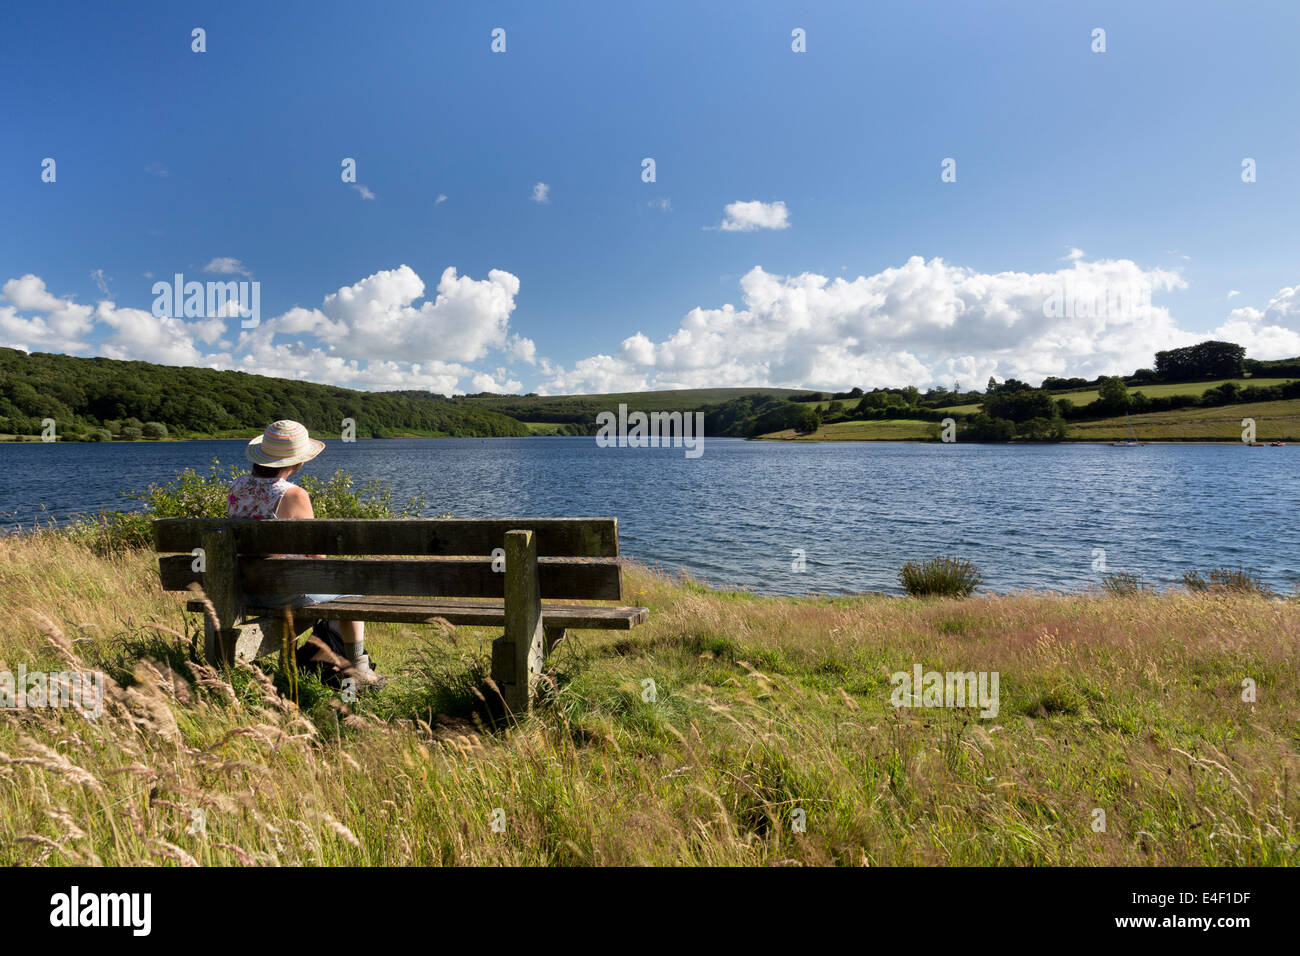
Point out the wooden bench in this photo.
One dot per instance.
(548, 563)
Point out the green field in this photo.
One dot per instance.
(1150, 391)
(1090, 396)
(1274, 421)
(544, 428)
(888, 429)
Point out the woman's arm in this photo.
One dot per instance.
(296, 503)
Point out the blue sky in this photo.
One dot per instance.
(1096, 171)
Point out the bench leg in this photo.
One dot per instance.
(252, 639)
(216, 643)
(221, 586)
(503, 659)
(503, 663)
(517, 656)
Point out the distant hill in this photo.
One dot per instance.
(98, 398)
(576, 414)
(87, 397)
(583, 408)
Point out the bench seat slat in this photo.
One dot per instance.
(464, 613)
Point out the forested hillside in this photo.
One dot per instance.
(95, 398)
(582, 409)
(99, 399)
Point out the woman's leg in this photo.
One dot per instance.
(354, 635)
(354, 649)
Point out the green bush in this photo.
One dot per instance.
(336, 498)
(982, 427)
(193, 495)
(943, 576)
(1227, 580)
(155, 430)
(1122, 584)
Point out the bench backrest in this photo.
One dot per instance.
(576, 558)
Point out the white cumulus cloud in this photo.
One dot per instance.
(1270, 333)
(227, 265)
(922, 323)
(374, 334)
(62, 327)
(748, 216)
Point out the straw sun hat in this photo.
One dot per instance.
(284, 443)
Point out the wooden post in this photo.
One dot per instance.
(285, 630)
(221, 585)
(523, 644)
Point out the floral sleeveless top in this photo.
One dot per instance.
(253, 497)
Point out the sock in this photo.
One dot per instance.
(354, 652)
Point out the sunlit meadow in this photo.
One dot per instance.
(766, 736)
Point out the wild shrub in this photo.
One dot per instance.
(194, 495)
(944, 576)
(1227, 580)
(1122, 584)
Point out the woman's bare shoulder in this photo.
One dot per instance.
(295, 503)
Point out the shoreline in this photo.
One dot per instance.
(36, 440)
(1018, 443)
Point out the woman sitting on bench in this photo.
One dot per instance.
(277, 455)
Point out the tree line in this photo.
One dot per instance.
(1013, 409)
(101, 399)
(97, 399)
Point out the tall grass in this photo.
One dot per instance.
(763, 707)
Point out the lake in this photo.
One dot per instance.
(1029, 516)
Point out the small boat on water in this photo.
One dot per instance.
(1131, 441)
(1277, 444)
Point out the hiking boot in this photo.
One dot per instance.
(365, 675)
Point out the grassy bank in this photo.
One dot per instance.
(886, 429)
(762, 707)
(1274, 421)
(1087, 396)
